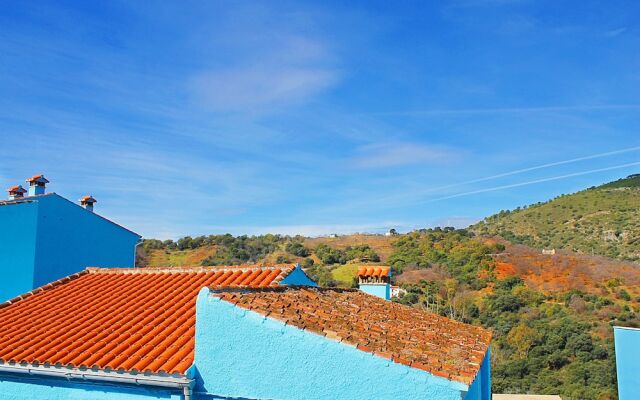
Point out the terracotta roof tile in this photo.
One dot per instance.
(87, 199)
(402, 334)
(37, 178)
(373, 271)
(16, 189)
(138, 320)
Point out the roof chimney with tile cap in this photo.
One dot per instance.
(375, 280)
(16, 192)
(87, 202)
(37, 184)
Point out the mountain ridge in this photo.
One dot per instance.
(601, 220)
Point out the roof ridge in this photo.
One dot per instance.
(219, 289)
(183, 269)
(42, 288)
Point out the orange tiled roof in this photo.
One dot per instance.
(373, 271)
(137, 320)
(88, 199)
(16, 189)
(403, 334)
(37, 178)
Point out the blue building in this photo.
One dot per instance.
(249, 332)
(375, 280)
(45, 237)
(627, 343)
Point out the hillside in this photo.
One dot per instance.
(603, 220)
(551, 315)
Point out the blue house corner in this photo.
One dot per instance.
(45, 237)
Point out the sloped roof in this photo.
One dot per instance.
(373, 271)
(136, 320)
(38, 197)
(37, 179)
(16, 189)
(88, 199)
(403, 334)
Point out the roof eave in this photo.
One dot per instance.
(115, 377)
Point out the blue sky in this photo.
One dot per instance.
(313, 118)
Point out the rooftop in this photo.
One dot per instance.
(373, 271)
(16, 189)
(88, 199)
(136, 320)
(143, 321)
(405, 335)
(37, 179)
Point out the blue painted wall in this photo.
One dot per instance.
(18, 225)
(241, 354)
(627, 342)
(70, 238)
(52, 389)
(50, 237)
(481, 387)
(383, 291)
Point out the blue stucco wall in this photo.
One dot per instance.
(241, 354)
(297, 277)
(70, 238)
(383, 291)
(481, 387)
(18, 224)
(627, 342)
(25, 388)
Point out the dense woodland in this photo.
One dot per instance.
(543, 344)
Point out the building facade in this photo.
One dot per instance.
(627, 344)
(375, 280)
(45, 237)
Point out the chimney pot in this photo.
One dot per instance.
(37, 184)
(16, 192)
(87, 202)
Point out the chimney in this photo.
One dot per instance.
(375, 280)
(87, 202)
(37, 184)
(16, 192)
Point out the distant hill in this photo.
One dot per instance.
(602, 220)
(551, 315)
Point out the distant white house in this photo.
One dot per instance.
(549, 252)
(397, 291)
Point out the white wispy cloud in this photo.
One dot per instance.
(260, 87)
(615, 32)
(381, 155)
(511, 110)
(278, 60)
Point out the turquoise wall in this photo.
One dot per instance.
(383, 291)
(242, 354)
(18, 225)
(481, 387)
(51, 389)
(70, 238)
(49, 238)
(627, 342)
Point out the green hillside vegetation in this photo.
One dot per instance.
(543, 344)
(327, 265)
(559, 343)
(601, 220)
